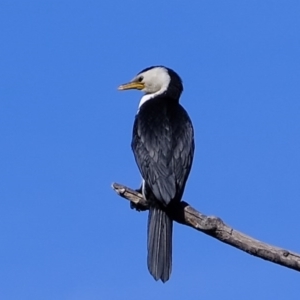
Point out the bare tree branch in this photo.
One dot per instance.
(185, 214)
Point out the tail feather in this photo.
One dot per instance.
(160, 228)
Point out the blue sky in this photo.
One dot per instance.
(65, 137)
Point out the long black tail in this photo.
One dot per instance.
(160, 228)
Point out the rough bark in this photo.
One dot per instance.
(213, 226)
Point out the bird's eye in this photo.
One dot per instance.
(140, 79)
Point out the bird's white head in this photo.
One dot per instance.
(155, 81)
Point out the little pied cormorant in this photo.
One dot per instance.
(163, 147)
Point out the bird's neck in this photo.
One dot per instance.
(164, 96)
(146, 98)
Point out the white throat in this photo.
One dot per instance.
(148, 97)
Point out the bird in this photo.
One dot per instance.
(163, 146)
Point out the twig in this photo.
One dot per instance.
(185, 214)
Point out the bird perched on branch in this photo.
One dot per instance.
(163, 147)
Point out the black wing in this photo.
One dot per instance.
(163, 146)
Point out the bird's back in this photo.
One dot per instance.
(163, 146)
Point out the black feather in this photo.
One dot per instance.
(163, 147)
(159, 244)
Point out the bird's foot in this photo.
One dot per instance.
(135, 206)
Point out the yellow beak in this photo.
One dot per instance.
(132, 85)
